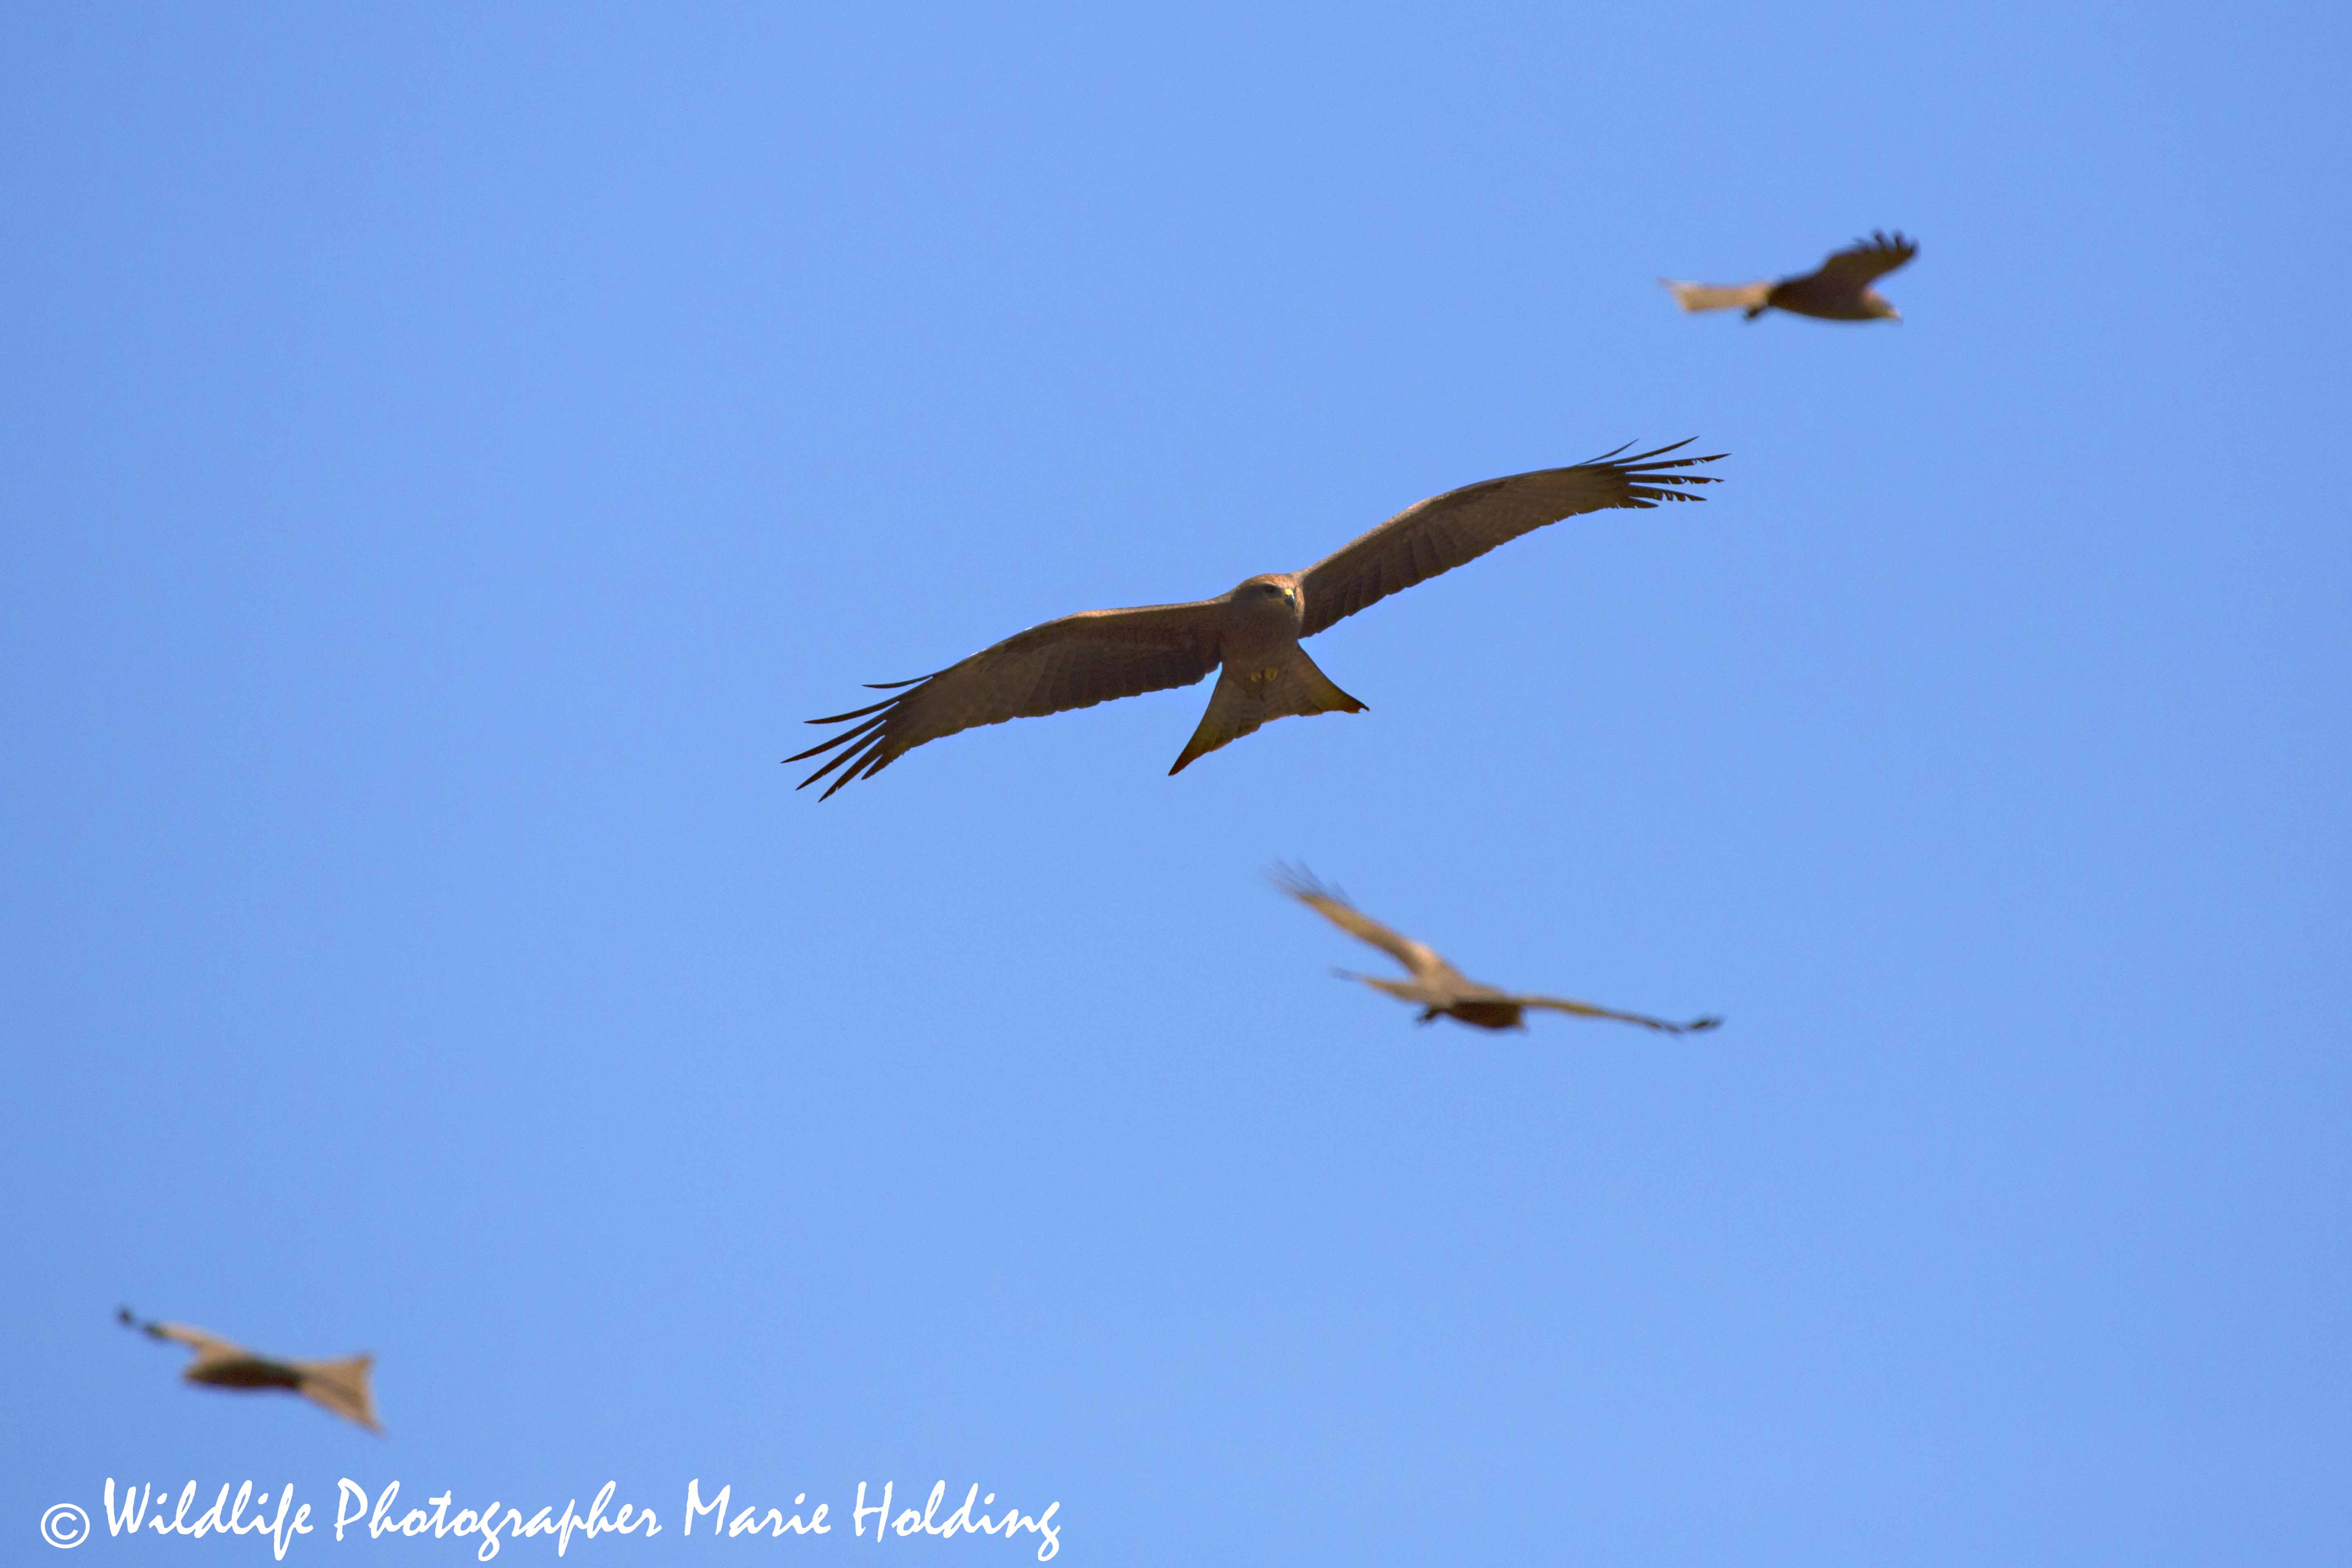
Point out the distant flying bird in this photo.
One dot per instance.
(340, 1386)
(1840, 290)
(1252, 632)
(1436, 986)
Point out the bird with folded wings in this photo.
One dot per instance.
(1435, 986)
(1250, 635)
(1838, 289)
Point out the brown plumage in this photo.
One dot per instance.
(340, 1386)
(1437, 987)
(1837, 290)
(1252, 632)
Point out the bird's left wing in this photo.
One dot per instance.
(1074, 662)
(1301, 884)
(1444, 532)
(208, 1347)
(1867, 260)
(1587, 1010)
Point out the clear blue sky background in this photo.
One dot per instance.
(446, 454)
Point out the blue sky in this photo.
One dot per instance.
(450, 451)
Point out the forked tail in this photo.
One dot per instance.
(1273, 685)
(342, 1387)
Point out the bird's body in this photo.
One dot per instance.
(340, 1386)
(1264, 674)
(1435, 986)
(1249, 636)
(1837, 290)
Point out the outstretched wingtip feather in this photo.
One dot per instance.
(855, 714)
(830, 741)
(1300, 882)
(855, 760)
(849, 753)
(1649, 457)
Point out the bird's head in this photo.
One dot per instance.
(1877, 305)
(1271, 593)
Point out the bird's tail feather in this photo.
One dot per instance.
(1283, 684)
(342, 1387)
(1749, 297)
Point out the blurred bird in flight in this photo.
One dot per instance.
(1252, 632)
(1838, 290)
(340, 1386)
(1436, 987)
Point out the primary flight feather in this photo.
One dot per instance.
(1251, 634)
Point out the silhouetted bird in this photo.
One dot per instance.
(1436, 986)
(1252, 632)
(1839, 290)
(339, 1385)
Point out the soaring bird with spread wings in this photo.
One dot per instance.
(1251, 633)
(1436, 987)
(339, 1385)
(1838, 290)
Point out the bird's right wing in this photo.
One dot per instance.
(1074, 662)
(208, 1347)
(1587, 1010)
(1328, 902)
(1718, 296)
(1867, 260)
